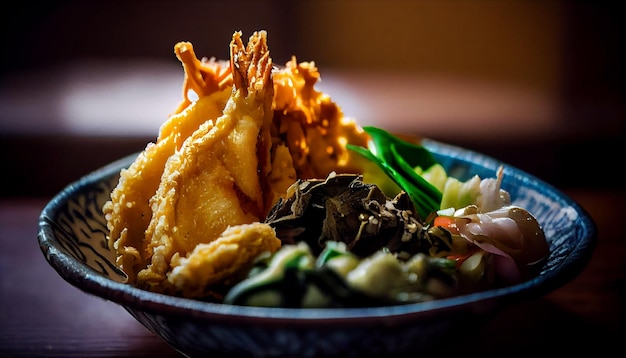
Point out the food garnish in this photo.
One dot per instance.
(259, 191)
(399, 159)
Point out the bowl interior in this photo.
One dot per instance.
(72, 236)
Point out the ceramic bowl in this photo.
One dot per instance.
(72, 236)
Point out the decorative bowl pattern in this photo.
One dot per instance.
(72, 236)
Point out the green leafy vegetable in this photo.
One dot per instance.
(398, 159)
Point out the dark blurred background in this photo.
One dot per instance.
(537, 84)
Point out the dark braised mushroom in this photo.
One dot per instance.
(345, 209)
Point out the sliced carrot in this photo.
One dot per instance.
(460, 258)
(444, 221)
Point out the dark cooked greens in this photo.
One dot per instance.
(343, 208)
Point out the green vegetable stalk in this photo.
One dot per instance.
(398, 159)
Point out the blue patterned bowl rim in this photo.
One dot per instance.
(572, 239)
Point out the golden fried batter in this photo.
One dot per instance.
(128, 212)
(220, 162)
(312, 125)
(224, 260)
(216, 179)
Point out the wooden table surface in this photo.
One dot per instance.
(42, 315)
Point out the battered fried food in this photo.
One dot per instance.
(312, 126)
(224, 261)
(216, 179)
(128, 213)
(221, 161)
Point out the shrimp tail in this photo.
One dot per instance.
(251, 65)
